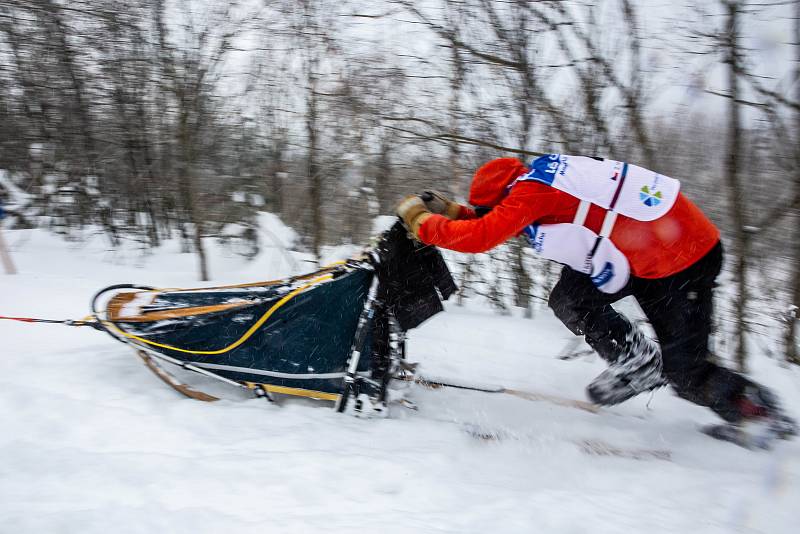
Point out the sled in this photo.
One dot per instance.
(335, 334)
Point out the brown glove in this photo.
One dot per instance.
(438, 203)
(413, 211)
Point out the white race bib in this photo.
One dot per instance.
(572, 245)
(627, 189)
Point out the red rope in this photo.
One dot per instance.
(23, 319)
(68, 322)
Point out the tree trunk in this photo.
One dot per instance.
(187, 190)
(201, 251)
(790, 334)
(5, 256)
(67, 59)
(383, 177)
(314, 171)
(522, 280)
(277, 172)
(457, 77)
(466, 280)
(736, 198)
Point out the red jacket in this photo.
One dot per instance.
(654, 249)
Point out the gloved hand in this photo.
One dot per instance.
(439, 204)
(413, 211)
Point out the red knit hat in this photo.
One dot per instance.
(490, 181)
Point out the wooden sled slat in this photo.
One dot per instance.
(173, 382)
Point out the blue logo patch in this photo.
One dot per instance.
(534, 237)
(544, 169)
(605, 275)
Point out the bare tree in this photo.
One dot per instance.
(790, 337)
(190, 75)
(734, 188)
(745, 224)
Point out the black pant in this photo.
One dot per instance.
(679, 307)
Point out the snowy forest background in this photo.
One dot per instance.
(149, 120)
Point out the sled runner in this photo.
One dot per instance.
(335, 334)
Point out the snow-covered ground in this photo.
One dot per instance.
(92, 442)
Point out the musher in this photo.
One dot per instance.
(619, 230)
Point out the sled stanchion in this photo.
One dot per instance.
(360, 337)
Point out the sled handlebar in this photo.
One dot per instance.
(105, 290)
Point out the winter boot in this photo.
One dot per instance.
(759, 405)
(754, 419)
(637, 369)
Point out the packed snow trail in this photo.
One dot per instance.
(92, 442)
